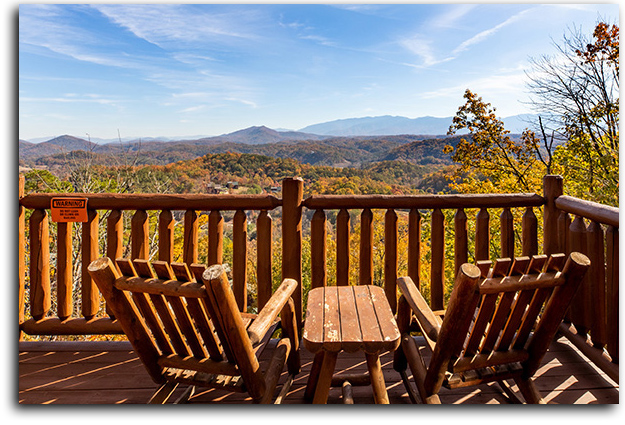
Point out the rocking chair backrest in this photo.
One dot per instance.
(174, 321)
(505, 314)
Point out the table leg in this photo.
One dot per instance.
(313, 377)
(325, 377)
(377, 379)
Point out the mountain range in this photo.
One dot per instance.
(366, 126)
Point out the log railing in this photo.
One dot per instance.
(63, 321)
(415, 206)
(592, 322)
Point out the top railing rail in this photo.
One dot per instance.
(424, 201)
(158, 201)
(592, 210)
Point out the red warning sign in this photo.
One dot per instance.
(69, 210)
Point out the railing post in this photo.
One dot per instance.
(366, 248)
(21, 252)
(414, 246)
(239, 259)
(166, 225)
(90, 252)
(39, 264)
(318, 260)
(552, 189)
(461, 244)
(437, 264)
(263, 257)
(612, 293)
(292, 195)
(390, 258)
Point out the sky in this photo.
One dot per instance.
(169, 70)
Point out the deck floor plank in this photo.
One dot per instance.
(110, 373)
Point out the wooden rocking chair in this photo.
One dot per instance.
(189, 330)
(498, 324)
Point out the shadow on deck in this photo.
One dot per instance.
(110, 373)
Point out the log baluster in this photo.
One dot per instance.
(139, 231)
(507, 233)
(366, 248)
(461, 243)
(166, 224)
(239, 259)
(529, 232)
(292, 194)
(578, 242)
(64, 275)
(390, 258)
(482, 235)
(564, 223)
(342, 248)
(90, 252)
(596, 302)
(40, 301)
(189, 244)
(318, 261)
(437, 272)
(21, 253)
(552, 189)
(114, 241)
(612, 294)
(263, 258)
(215, 238)
(414, 246)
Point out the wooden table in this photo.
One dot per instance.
(348, 318)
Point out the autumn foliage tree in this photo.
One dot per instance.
(576, 96)
(576, 92)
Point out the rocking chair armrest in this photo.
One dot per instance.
(428, 322)
(271, 310)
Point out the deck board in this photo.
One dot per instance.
(110, 373)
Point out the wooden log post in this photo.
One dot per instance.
(461, 243)
(292, 194)
(40, 301)
(239, 259)
(90, 252)
(507, 233)
(189, 243)
(414, 246)
(612, 294)
(366, 248)
(114, 241)
(482, 235)
(139, 235)
(64, 275)
(263, 257)
(215, 238)
(529, 233)
(596, 302)
(166, 224)
(552, 189)
(342, 248)
(318, 260)
(390, 258)
(578, 243)
(437, 272)
(115, 235)
(564, 224)
(21, 253)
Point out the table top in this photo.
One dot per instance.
(349, 318)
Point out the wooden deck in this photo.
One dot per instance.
(110, 373)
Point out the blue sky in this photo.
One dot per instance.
(186, 69)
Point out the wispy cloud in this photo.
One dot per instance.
(451, 16)
(483, 35)
(164, 24)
